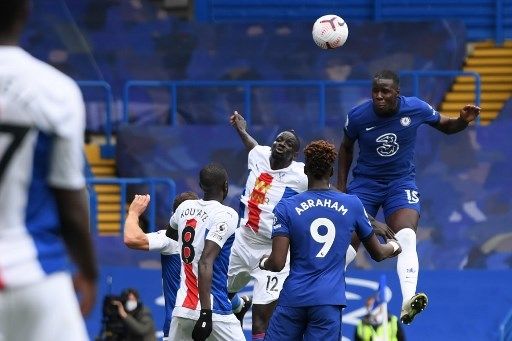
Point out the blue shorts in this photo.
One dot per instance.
(313, 323)
(390, 195)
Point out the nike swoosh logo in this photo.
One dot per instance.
(370, 128)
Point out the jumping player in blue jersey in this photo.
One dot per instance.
(162, 242)
(384, 176)
(316, 227)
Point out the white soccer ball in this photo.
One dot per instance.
(330, 31)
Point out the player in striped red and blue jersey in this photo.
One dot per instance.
(206, 230)
(273, 175)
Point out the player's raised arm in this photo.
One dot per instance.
(467, 115)
(240, 125)
(134, 237)
(345, 157)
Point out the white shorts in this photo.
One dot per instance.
(46, 311)
(181, 329)
(244, 264)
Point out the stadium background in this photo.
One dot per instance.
(210, 57)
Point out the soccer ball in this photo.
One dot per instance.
(330, 31)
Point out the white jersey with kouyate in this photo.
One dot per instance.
(42, 123)
(265, 187)
(197, 221)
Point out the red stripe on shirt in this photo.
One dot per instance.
(192, 291)
(190, 277)
(257, 197)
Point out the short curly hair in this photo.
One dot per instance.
(319, 158)
(189, 195)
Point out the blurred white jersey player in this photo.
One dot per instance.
(273, 175)
(206, 230)
(43, 202)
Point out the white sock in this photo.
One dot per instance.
(407, 265)
(350, 256)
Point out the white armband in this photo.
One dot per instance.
(394, 244)
(263, 261)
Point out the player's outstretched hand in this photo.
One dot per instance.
(396, 246)
(86, 289)
(381, 229)
(238, 121)
(204, 325)
(139, 204)
(469, 113)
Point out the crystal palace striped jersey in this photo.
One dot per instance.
(265, 187)
(197, 221)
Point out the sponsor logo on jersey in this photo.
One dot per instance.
(260, 189)
(389, 145)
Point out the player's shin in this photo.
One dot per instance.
(407, 263)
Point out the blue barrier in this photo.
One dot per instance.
(173, 87)
(444, 73)
(246, 85)
(123, 183)
(108, 98)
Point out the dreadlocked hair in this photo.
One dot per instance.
(319, 158)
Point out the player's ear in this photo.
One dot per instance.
(226, 189)
(397, 90)
(332, 171)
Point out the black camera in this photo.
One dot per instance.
(109, 308)
(113, 328)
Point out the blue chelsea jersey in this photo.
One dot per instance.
(319, 224)
(386, 144)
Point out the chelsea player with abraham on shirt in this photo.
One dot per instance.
(316, 226)
(384, 176)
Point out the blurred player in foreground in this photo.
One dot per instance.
(44, 206)
(316, 226)
(159, 241)
(273, 175)
(206, 231)
(384, 176)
